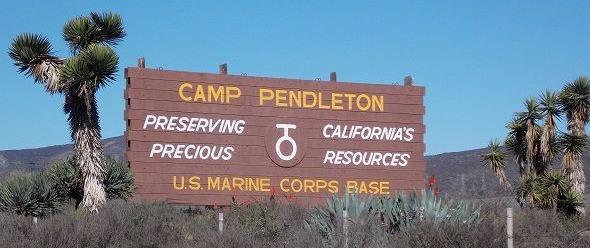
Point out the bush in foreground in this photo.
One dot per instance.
(38, 194)
(28, 194)
(123, 224)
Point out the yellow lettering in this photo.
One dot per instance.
(350, 97)
(333, 186)
(321, 102)
(213, 183)
(308, 186)
(336, 101)
(175, 185)
(283, 188)
(194, 183)
(265, 95)
(298, 182)
(295, 96)
(232, 92)
(265, 184)
(226, 184)
(281, 98)
(321, 184)
(200, 94)
(359, 102)
(181, 92)
(215, 95)
(384, 188)
(238, 183)
(377, 101)
(314, 98)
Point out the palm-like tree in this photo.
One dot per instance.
(92, 66)
(548, 147)
(529, 119)
(575, 103)
(494, 160)
(516, 143)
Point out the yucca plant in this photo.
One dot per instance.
(495, 160)
(92, 66)
(575, 103)
(535, 148)
(28, 194)
(119, 181)
(65, 178)
(551, 190)
(67, 181)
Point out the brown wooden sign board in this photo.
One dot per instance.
(213, 139)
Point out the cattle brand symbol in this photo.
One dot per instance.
(286, 142)
(286, 138)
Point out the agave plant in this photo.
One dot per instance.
(327, 220)
(397, 212)
(402, 211)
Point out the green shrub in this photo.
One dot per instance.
(551, 190)
(29, 194)
(66, 180)
(38, 194)
(118, 180)
(126, 224)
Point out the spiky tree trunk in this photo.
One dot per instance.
(575, 170)
(531, 148)
(545, 148)
(84, 123)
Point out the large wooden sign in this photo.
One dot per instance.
(214, 139)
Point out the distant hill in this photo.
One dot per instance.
(39, 158)
(459, 174)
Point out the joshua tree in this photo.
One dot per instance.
(516, 143)
(575, 103)
(494, 159)
(529, 119)
(548, 147)
(535, 147)
(93, 65)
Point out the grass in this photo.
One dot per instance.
(123, 224)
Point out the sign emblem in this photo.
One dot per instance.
(286, 138)
(286, 143)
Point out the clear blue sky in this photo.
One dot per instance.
(477, 60)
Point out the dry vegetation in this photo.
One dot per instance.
(122, 224)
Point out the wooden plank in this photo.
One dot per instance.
(164, 104)
(142, 176)
(257, 118)
(292, 113)
(162, 75)
(257, 127)
(259, 150)
(134, 156)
